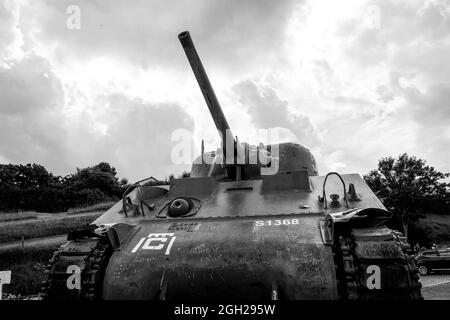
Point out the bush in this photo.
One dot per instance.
(32, 187)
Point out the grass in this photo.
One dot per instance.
(17, 216)
(27, 265)
(53, 224)
(103, 206)
(44, 227)
(27, 269)
(432, 229)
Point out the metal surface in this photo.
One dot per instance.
(231, 257)
(249, 198)
(205, 86)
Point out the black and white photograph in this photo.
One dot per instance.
(216, 152)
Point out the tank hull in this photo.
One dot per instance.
(243, 258)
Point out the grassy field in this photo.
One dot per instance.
(17, 216)
(14, 226)
(43, 227)
(439, 227)
(27, 265)
(103, 206)
(27, 269)
(435, 228)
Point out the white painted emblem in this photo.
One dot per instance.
(156, 241)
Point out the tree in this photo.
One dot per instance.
(21, 185)
(24, 176)
(101, 176)
(409, 187)
(185, 174)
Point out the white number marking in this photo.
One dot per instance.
(170, 246)
(155, 241)
(286, 222)
(138, 245)
(157, 247)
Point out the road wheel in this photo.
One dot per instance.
(423, 270)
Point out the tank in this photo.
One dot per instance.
(240, 228)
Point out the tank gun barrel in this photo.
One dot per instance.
(205, 86)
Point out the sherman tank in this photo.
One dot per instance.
(251, 222)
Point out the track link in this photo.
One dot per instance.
(86, 252)
(361, 250)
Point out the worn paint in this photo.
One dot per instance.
(227, 253)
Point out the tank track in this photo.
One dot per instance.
(382, 247)
(88, 251)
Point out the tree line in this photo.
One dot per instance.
(32, 187)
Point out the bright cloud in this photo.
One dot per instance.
(351, 80)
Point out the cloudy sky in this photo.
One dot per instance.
(351, 80)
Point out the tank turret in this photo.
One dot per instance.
(289, 156)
